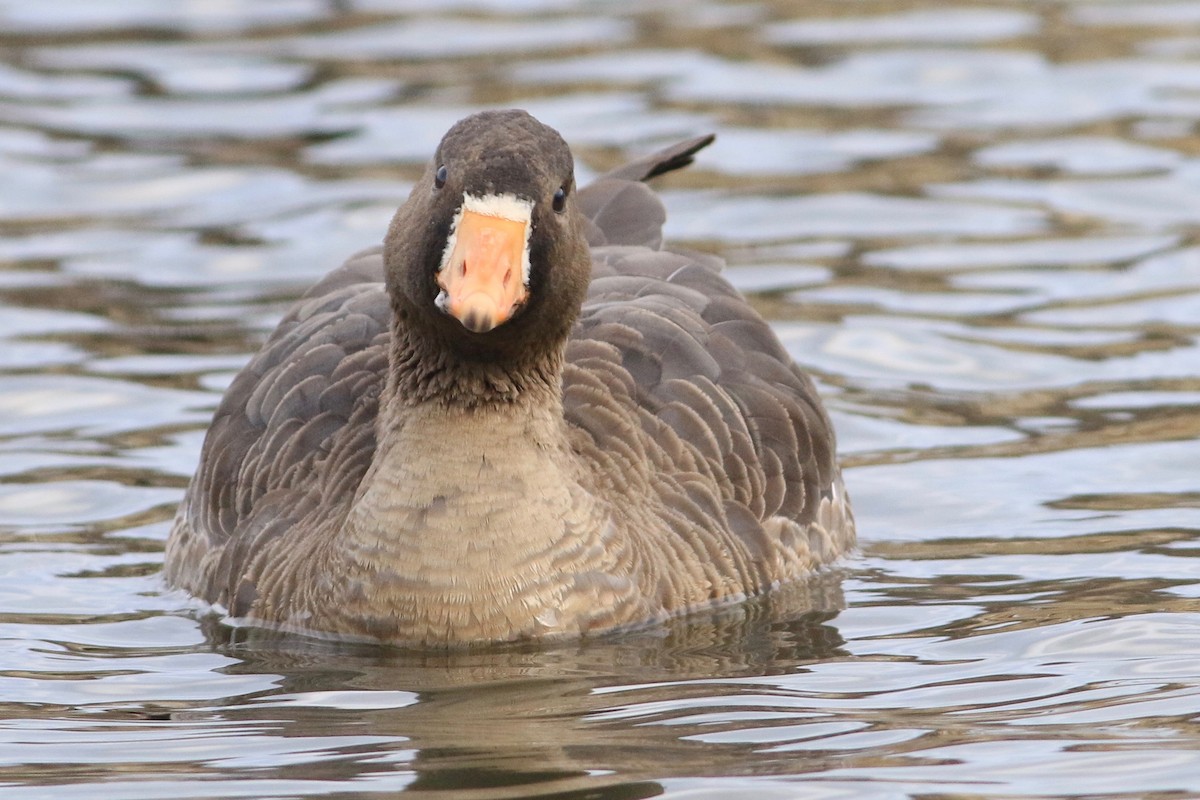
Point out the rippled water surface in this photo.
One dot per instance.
(975, 223)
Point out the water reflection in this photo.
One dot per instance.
(975, 225)
(563, 718)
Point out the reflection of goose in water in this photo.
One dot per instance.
(438, 446)
(546, 719)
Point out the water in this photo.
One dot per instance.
(975, 225)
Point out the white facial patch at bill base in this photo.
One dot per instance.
(505, 206)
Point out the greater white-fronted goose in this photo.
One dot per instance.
(521, 418)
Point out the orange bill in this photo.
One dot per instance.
(483, 279)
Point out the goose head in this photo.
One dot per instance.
(488, 257)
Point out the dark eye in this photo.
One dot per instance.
(560, 199)
(439, 180)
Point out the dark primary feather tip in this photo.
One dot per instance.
(669, 159)
(681, 155)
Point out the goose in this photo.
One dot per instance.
(521, 418)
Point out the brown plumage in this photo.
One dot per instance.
(627, 441)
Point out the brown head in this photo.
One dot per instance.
(487, 261)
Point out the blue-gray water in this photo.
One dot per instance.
(976, 224)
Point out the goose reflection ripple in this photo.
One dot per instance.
(554, 718)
